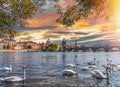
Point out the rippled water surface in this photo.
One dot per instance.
(45, 68)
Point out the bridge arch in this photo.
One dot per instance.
(114, 49)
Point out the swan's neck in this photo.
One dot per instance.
(10, 68)
(24, 74)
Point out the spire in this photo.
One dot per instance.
(48, 41)
(64, 40)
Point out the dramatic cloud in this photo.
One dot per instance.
(43, 25)
(100, 39)
(82, 24)
(51, 36)
(82, 33)
(47, 5)
(43, 19)
(38, 28)
(62, 32)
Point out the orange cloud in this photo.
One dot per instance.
(82, 24)
(34, 22)
(43, 19)
(105, 28)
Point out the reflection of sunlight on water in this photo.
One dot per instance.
(45, 68)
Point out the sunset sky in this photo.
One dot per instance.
(43, 25)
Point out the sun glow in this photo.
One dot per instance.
(34, 22)
(114, 11)
(82, 24)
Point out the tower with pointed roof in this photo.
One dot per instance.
(64, 44)
(48, 41)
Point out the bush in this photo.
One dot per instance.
(29, 47)
(4, 46)
(8, 46)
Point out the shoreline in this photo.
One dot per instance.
(10, 51)
(26, 50)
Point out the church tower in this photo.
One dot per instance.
(64, 44)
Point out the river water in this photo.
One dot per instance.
(44, 69)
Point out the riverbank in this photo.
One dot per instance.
(13, 51)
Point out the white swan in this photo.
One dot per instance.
(68, 72)
(91, 67)
(98, 74)
(85, 68)
(92, 62)
(15, 78)
(70, 65)
(7, 68)
(117, 67)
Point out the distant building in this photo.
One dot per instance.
(17, 47)
(2, 43)
(23, 44)
(75, 44)
(48, 41)
(64, 44)
(42, 46)
(34, 45)
(11, 42)
(5, 42)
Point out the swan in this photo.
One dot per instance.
(92, 62)
(7, 68)
(91, 67)
(117, 67)
(70, 65)
(85, 68)
(15, 78)
(68, 72)
(98, 74)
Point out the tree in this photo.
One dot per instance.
(81, 9)
(51, 47)
(29, 47)
(14, 13)
(8, 46)
(4, 46)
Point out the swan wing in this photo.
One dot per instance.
(5, 68)
(13, 79)
(1, 79)
(8, 79)
(70, 65)
(85, 68)
(99, 74)
(68, 71)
